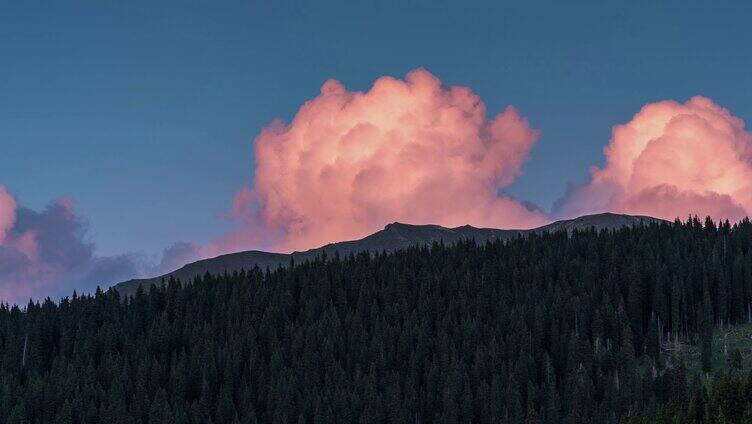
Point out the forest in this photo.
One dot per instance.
(615, 326)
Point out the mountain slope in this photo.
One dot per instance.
(394, 236)
(599, 222)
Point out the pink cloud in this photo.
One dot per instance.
(407, 150)
(7, 212)
(671, 160)
(21, 268)
(45, 253)
(25, 242)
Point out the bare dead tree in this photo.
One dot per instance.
(25, 345)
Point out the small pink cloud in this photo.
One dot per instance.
(7, 212)
(21, 268)
(68, 206)
(671, 160)
(351, 162)
(46, 254)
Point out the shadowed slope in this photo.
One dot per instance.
(393, 236)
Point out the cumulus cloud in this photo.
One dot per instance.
(671, 160)
(407, 150)
(46, 254)
(7, 212)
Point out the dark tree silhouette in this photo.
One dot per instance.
(581, 327)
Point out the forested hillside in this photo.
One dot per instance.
(597, 327)
(393, 237)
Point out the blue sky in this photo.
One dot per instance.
(144, 112)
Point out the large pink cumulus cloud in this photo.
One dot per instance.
(671, 160)
(412, 151)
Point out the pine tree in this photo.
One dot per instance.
(541, 328)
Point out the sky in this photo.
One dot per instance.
(138, 125)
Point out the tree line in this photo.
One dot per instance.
(586, 327)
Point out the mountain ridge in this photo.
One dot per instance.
(393, 236)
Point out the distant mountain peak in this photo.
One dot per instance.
(401, 225)
(396, 235)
